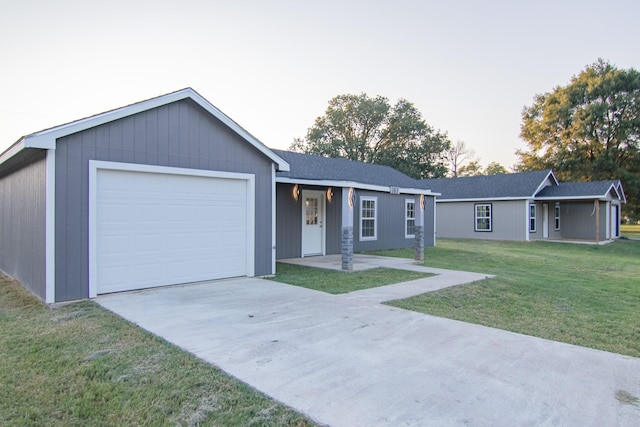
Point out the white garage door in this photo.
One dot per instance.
(157, 229)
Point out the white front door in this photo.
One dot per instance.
(545, 220)
(312, 223)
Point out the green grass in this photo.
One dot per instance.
(80, 365)
(579, 294)
(340, 282)
(630, 230)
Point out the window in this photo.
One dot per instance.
(410, 219)
(368, 215)
(557, 216)
(532, 218)
(311, 211)
(483, 217)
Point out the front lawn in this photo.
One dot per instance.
(80, 365)
(579, 294)
(630, 230)
(340, 282)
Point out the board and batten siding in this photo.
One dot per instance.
(22, 223)
(390, 222)
(457, 220)
(578, 220)
(181, 135)
(289, 221)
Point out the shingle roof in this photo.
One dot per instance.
(318, 168)
(591, 189)
(513, 185)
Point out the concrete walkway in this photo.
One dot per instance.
(347, 360)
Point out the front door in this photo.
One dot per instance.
(312, 223)
(545, 220)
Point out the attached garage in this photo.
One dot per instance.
(157, 226)
(162, 192)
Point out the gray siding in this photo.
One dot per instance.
(578, 220)
(457, 220)
(289, 221)
(390, 222)
(429, 223)
(22, 222)
(180, 134)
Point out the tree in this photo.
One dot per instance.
(458, 156)
(495, 168)
(588, 129)
(473, 168)
(366, 129)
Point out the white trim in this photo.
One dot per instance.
(406, 218)
(375, 218)
(533, 217)
(47, 138)
(545, 220)
(322, 221)
(542, 184)
(435, 224)
(347, 184)
(475, 217)
(50, 228)
(94, 165)
(273, 219)
(483, 199)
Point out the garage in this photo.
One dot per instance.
(158, 226)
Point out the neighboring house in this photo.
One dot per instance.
(171, 190)
(527, 206)
(326, 205)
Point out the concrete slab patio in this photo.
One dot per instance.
(347, 360)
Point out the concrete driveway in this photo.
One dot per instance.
(347, 360)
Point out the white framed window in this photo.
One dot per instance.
(483, 217)
(368, 218)
(532, 218)
(556, 216)
(409, 218)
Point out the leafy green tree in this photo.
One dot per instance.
(473, 168)
(495, 168)
(588, 129)
(366, 129)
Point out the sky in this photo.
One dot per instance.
(272, 66)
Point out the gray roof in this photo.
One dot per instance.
(503, 186)
(591, 189)
(319, 168)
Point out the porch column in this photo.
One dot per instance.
(418, 247)
(348, 200)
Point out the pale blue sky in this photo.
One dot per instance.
(469, 66)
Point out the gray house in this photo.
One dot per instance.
(165, 191)
(171, 190)
(326, 205)
(527, 206)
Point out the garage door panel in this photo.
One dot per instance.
(159, 229)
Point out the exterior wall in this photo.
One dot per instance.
(179, 134)
(289, 221)
(553, 233)
(429, 220)
(390, 222)
(578, 220)
(457, 220)
(22, 222)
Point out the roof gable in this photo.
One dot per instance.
(503, 186)
(46, 139)
(583, 190)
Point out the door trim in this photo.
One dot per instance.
(545, 220)
(96, 165)
(323, 237)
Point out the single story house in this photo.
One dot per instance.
(527, 206)
(326, 205)
(170, 190)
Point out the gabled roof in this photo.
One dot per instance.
(320, 170)
(46, 139)
(583, 190)
(521, 185)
